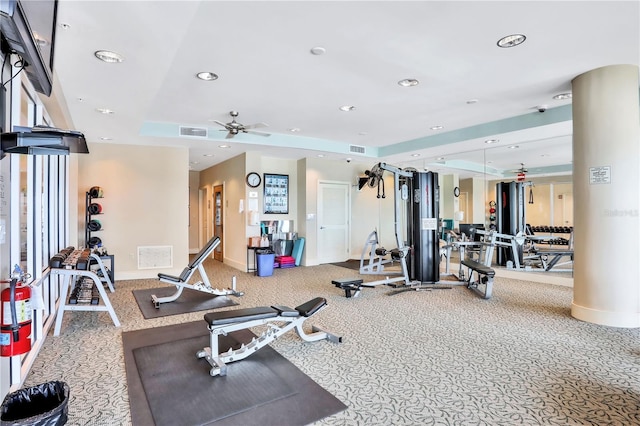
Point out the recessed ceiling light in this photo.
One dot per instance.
(207, 76)
(489, 141)
(294, 130)
(408, 82)
(104, 110)
(544, 155)
(436, 127)
(347, 108)
(415, 155)
(195, 162)
(109, 56)
(511, 40)
(514, 147)
(362, 133)
(440, 158)
(207, 155)
(318, 50)
(105, 138)
(472, 101)
(562, 96)
(321, 155)
(80, 99)
(224, 146)
(65, 26)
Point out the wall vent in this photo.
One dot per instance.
(198, 132)
(356, 149)
(152, 257)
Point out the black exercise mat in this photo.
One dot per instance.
(189, 301)
(263, 389)
(349, 264)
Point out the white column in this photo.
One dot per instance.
(606, 178)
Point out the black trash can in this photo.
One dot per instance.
(266, 259)
(43, 405)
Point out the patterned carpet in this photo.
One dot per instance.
(444, 357)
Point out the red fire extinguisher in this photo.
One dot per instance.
(15, 328)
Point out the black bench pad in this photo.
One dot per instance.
(347, 282)
(169, 278)
(239, 315)
(311, 307)
(479, 267)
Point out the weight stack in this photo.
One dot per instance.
(424, 200)
(510, 217)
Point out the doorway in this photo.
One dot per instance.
(333, 221)
(218, 199)
(204, 202)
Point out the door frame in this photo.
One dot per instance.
(347, 185)
(218, 253)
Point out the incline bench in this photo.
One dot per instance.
(181, 282)
(224, 322)
(484, 275)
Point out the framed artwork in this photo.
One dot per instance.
(276, 194)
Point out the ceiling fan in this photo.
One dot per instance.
(233, 127)
(522, 169)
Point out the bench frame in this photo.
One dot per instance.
(278, 319)
(181, 282)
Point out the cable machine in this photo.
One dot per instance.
(418, 192)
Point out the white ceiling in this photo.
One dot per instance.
(261, 52)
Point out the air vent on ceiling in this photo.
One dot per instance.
(199, 132)
(356, 149)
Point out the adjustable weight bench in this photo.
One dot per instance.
(278, 319)
(181, 282)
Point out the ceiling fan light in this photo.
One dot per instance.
(347, 108)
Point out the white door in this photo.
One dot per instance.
(567, 209)
(333, 222)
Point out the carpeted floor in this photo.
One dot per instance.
(417, 358)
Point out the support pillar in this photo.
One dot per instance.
(606, 178)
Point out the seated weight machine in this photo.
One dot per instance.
(377, 256)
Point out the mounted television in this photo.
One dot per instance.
(28, 29)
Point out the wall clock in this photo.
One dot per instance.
(253, 179)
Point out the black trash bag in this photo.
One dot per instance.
(45, 404)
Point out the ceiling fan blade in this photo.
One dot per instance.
(220, 123)
(230, 135)
(256, 125)
(257, 133)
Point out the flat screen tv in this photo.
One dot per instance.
(28, 29)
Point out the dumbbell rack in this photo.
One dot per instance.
(74, 276)
(88, 216)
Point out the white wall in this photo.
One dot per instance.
(146, 200)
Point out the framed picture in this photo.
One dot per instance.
(276, 194)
